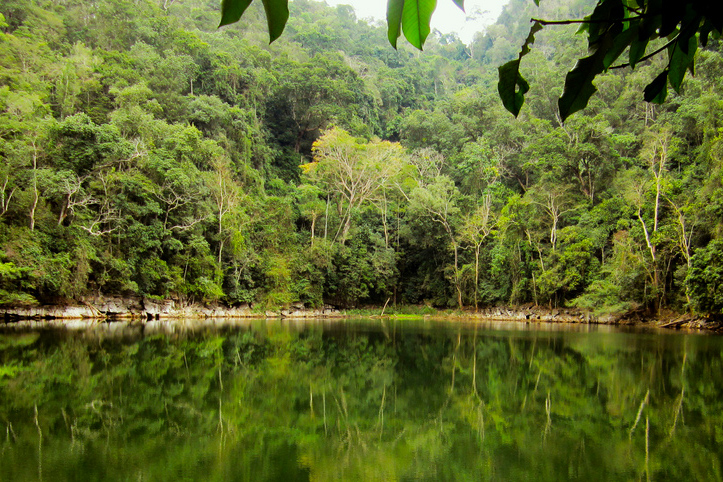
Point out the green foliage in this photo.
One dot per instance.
(572, 265)
(80, 144)
(705, 279)
(616, 26)
(145, 152)
(613, 27)
(9, 273)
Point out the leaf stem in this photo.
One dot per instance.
(573, 22)
(649, 56)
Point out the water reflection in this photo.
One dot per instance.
(359, 400)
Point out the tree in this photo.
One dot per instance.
(656, 153)
(311, 206)
(437, 200)
(554, 202)
(309, 97)
(226, 196)
(352, 170)
(614, 27)
(477, 227)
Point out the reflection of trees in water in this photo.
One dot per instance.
(267, 401)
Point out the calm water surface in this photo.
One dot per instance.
(360, 400)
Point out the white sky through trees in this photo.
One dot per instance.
(447, 17)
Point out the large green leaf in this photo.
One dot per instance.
(604, 18)
(394, 20)
(413, 18)
(578, 82)
(619, 45)
(705, 31)
(672, 13)
(277, 13)
(416, 16)
(651, 21)
(681, 59)
(637, 50)
(232, 10)
(657, 90)
(512, 87)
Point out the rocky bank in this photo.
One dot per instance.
(122, 308)
(144, 310)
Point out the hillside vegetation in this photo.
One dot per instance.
(145, 152)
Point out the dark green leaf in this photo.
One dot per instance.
(717, 21)
(672, 15)
(459, 3)
(651, 20)
(578, 85)
(512, 87)
(619, 45)
(578, 82)
(394, 20)
(231, 10)
(689, 27)
(705, 30)
(657, 90)
(606, 16)
(277, 13)
(680, 61)
(637, 50)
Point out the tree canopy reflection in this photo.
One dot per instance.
(374, 401)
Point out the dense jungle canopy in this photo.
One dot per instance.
(145, 152)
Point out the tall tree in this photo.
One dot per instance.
(354, 171)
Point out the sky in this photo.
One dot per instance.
(447, 17)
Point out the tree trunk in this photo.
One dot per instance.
(313, 225)
(36, 194)
(476, 277)
(457, 283)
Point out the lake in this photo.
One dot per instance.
(359, 400)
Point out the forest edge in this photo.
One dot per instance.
(144, 310)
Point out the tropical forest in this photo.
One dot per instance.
(395, 217)
(147, 152)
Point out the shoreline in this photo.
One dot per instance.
(140, 311)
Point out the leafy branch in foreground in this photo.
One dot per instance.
(614, 27)
(617, 26)
(411, 17)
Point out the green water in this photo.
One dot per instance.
(359, 400)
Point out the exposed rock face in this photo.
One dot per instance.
(116, 306)
(49, 312)
(527, 313)
(147, 309)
